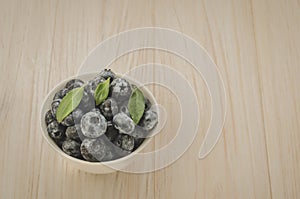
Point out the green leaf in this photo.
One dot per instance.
(101, 92)
(136, 105)
(69, 103)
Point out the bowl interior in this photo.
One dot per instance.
(47, 105)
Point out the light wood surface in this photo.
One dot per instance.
(256, 46)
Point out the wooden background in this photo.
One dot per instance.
(256, 45)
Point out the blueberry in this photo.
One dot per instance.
(86, 151)
(73, 132)
(77, 115)
(101, 149)
(87, 98)
(111, 133)
(72, 148)
(73, 118)
(109, 155)
(113, 152)
(109, 108)
(119, 152)
(49, 117)
(55, 130)
(149, 120)
(125, 142)
(54, 106)
(138, 142)
(93, 150)
(106, 73)
(68, 121)
(123, 123)
(124, 109)
(87, 102)
(59, 142)
(93, 124)
(92, 85)
(147, 104)
(74, 83)
(60, 94)
(120, 89)
(139, 132)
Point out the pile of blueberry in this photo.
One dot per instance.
(104, 132)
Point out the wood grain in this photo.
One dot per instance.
(256, 46)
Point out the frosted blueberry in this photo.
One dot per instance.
(55, 130)
(93, 150)
(106, 73)
(109, 108)
(49, 117)
(125, 142)
(86, 151)
(71, 147)
(123, 123)
(149, 120)
(54, 106)
(74, 83)
(120, 89)
(93, 124)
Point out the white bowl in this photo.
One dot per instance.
(90, 167)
